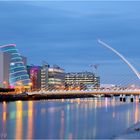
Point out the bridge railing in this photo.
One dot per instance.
(106, 91)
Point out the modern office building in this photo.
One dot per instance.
(96, 81)
(56, 77)
(17, 69)
(44, 76)
(38, 76)
(83, 80)
(34, 73)
(4, 69)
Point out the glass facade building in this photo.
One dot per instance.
(56, 75)
(35, 76)
(87, 80)
(17, 70)
(44, 76)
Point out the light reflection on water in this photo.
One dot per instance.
(30, 120)
(74, 118)
(18, 124)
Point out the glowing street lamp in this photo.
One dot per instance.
(19, 83)
(30, 85)
(4, 83)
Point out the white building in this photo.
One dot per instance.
(5, 59)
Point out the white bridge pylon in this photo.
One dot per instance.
(134, 70)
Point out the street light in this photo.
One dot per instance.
(30, 85)
(19, 83)
(4, 83)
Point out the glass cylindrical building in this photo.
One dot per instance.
(17, 70)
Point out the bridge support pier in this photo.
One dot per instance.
(124, 99)
(120, 97)
(131, 98)
(139, 98)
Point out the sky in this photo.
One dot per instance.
(66, 32)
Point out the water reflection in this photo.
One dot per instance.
(18, 132)
(137, 110)
(68, 119)
(4, 114)
(62, 125)
(4, 117)
(30, 120)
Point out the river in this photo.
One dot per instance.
(67, 118)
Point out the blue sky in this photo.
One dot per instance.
(66, 33)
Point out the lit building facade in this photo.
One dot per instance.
(56, 77)
(82, 80)
(17, 69)
(4, 69)
(44, 76)
(35, 77)
(96, 81)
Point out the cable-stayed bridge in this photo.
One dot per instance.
(101, 91)
(91, 92)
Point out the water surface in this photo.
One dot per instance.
(69, 119)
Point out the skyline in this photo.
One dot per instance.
(65, 33)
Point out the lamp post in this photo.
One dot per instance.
(30, 85)
(4, 84)
(20, 86)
